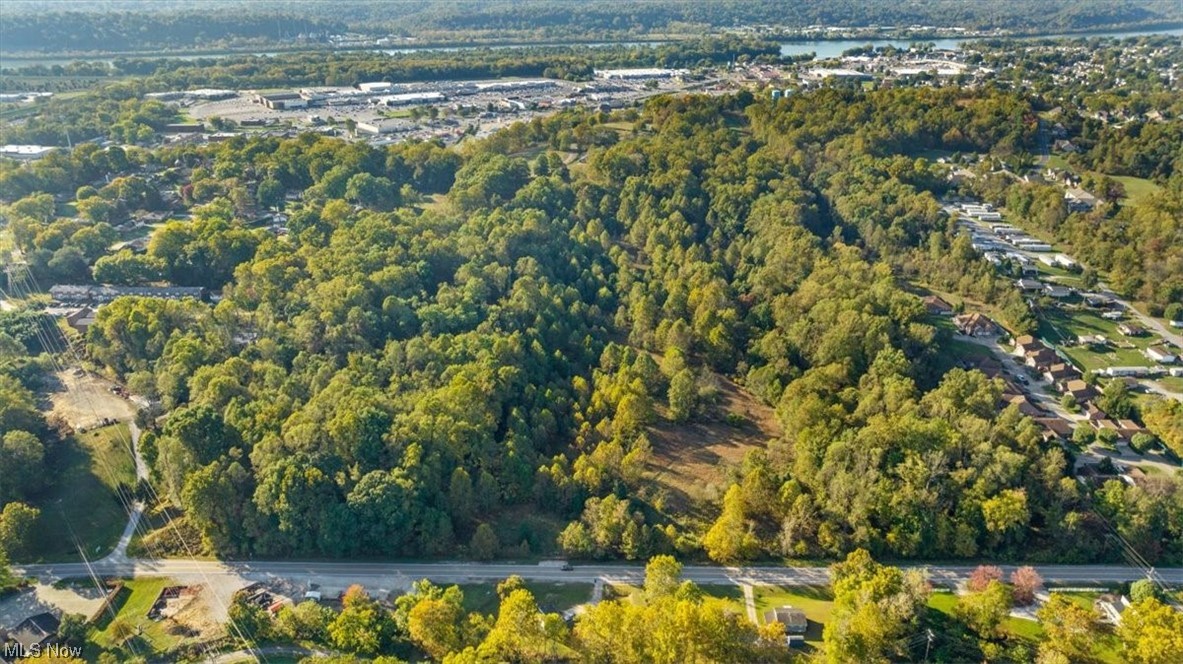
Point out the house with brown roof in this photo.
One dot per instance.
(1060, 373)
(1027, 344)
(937, 306)
(1042, 358)
(1094, 413)
(1080, 390)
(1129, 428)
(975, 325)
(1025, 405)
(1055, 427)
(30, 634)
(990, 366)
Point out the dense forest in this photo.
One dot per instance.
(478, 350)
(142, 26)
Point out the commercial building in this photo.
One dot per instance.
(279, 101)
(376, 86)
(410, 98)
(639, 73)
(377, 128)
(25, 152)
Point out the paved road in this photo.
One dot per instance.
(461, 572)
(1145, 321)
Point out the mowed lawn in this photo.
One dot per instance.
(729, 593)
(1063, 327)
(82, 509)
(816, 601)
(135, 600)
(551, 597)
(1137, 188)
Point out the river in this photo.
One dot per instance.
(823, 48)
(833, 48)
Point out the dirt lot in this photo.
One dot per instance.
(196, 617)
(85, 400)
(690, 461)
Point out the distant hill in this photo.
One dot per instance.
(141, 25)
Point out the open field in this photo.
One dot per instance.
(1136, 188)
(690, 461)
(82, 508)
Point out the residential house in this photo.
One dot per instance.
(1097, 301)
(1027, 343)
(1082, 392)
(1025, 405)
(1131, 329)
(1094, 413)
(975, 325)
(1060, 373)
(1042, 359)
(1058, 292)
(1079, 200)
(792, 618)
(1127, 429)
(33, 632)
(1029, 285)
(937, 306)
(1161, 355)
(1111, 607)
(794, 621)
(81, 320)
(1055, 428)
(989, 366)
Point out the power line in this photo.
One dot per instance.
(41, 329)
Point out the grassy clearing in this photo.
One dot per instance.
(136, 598)
(1060, 326)
(621, 126)
(688, 470)
(1172, 383)
(84, 500)
(1137, 188)
(551, 597)
(816, 601)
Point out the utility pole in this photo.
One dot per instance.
(928, 646)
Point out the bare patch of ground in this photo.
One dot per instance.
(691, 461)
(196, 619)
(83, 401)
